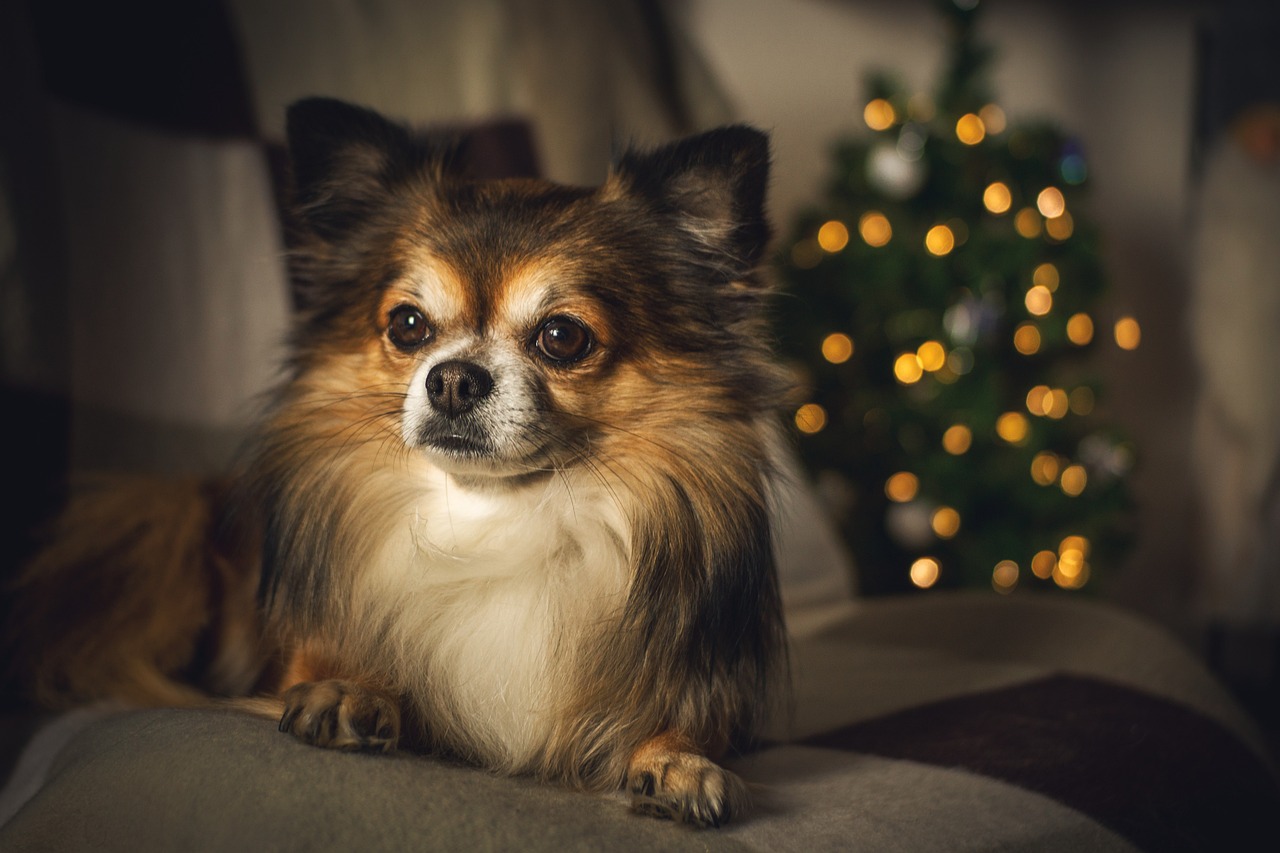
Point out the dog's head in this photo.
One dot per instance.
(513, 327)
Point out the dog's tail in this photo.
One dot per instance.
(143, 594)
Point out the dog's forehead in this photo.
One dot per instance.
(517, 294)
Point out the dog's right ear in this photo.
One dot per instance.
(344, 158)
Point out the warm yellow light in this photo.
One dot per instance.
(1074, 543)
(1026, 339)
(875, 228)
(993, 117)
(1039, 300)
(945, 522)
(924, 572)
(1012, 427)
(1027, 223)
(1080, 329)
(837, 348)
(1044, 468)
(1074, 479)
(833, 236)
(957, 439)
(1050, 202)
(939, 241)
(1128, 333)
(907, 369)
(879, 114)
(1081, 400)
(970, 130)
(1056, 404)
(1060, 227)
(1075, 580)
(811, 418)
(902, 487)
(932, 356)
(1005, 576)
(1046, 276)
(997, 198)
(1071, 570)
(1036, 398)
(1043, 564)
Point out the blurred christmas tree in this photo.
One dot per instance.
(942, 305)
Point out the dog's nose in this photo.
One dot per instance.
(454, 387)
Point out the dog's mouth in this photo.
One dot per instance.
(459, 446)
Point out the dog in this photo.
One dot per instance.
(511, 503)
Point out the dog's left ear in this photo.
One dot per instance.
(714, 185)
(345, 159)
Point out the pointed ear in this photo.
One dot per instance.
(714, 185)
(343, 160)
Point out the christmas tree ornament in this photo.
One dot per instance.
(893, 174)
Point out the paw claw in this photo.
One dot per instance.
(687, 787)
(340, 715)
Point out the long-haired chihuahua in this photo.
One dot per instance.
(511, 503)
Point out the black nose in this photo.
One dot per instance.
(454, 387)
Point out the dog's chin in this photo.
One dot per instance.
(469, 457)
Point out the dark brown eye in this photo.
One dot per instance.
(407, 327)
(563, 339)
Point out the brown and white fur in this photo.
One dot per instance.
(510, 504)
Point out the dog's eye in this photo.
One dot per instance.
(563, 339)
(407, 327)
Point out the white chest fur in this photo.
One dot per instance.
(490, 598)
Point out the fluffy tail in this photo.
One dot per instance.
(143, 595)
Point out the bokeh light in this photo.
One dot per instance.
(1004, 577)
(1043, 564)
(1046, 276)
(875, 229)
(970, 130)
(997, 198)
(1026, 339)
(1050, 203)
(957, 439)
(907, 369)
(1060, 227)
(993, 117)
(945, 522)
(925, 572)
(1012, 427)
(879, 114)
(939, 240)
(811, 418)
(833, 236)
(902, 487)
(1080, 329)
(1039, 300)
(932, 356)
(837, 348)
(1128, 333)
(1045, 467)
(1074, 479)
(1027, 223)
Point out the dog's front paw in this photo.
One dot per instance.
(341, 715)
(684, 786)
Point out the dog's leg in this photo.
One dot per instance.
(324, 709)
(668, 777)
